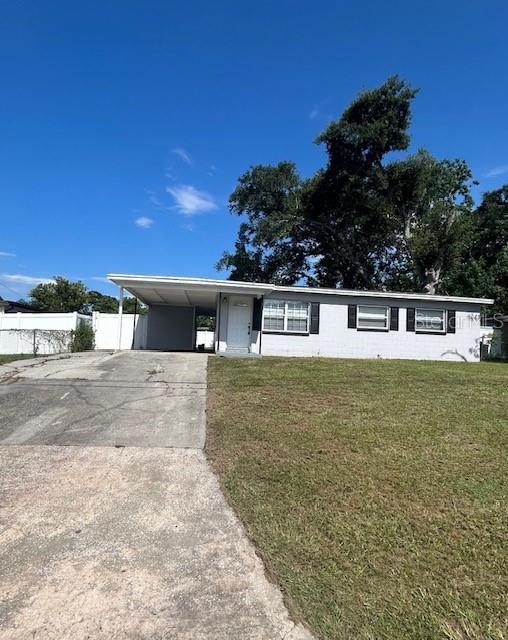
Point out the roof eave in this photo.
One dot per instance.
(235, 286)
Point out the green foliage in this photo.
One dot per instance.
(333, 228)
(83, 337)
(432, 205)
(271, 200)
(347, 209)
(59, 296)
(64, 296)
(483, 266)
(97, 301)
(131, 305)
(205, 322)
(366, 221)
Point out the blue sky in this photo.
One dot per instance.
(124, 125)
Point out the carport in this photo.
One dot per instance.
(174, 303)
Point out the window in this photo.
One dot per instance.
(373, 318)
(273, 315)
(289, 317)
(432, 320)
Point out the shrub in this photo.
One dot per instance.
(82, 338)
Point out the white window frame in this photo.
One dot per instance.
(424, 309)
(387, 317)
(285, 329)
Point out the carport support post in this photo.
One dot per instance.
(120, 316)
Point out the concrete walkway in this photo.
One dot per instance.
(134, 541)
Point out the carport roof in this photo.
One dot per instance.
(184, 292)
(202, 292)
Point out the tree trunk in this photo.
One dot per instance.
(432, 280)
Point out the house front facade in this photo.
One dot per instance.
(264, 319)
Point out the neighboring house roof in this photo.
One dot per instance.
(202, 291)
(11, 306)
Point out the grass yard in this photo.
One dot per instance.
(375, 491)
(12, 357)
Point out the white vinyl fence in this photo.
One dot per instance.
(46, 333)
(105, 326)
(37, 333)
(205, 337)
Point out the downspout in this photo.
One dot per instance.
(261, 327)
(217, 320)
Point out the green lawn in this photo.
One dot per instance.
(375, 491)
(12, 357)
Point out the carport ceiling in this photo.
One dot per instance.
(184, 292)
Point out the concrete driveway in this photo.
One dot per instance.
(112, 524)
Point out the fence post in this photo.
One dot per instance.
(35, 343)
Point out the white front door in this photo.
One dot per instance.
(239, 322)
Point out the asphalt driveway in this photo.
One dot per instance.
(132, 398)
(112, 524)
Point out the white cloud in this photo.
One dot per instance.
(6, 254)
(143, 222)
(321, 113)
(99, 279)
(153, 199)
(189, 201)
(182, 154)
(170, 173)
(15, 278)
(497, 171)
(314, 113)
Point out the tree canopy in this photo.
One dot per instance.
(372, 218)
(64, 296)
(59, 296)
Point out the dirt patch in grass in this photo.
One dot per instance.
(376, 491)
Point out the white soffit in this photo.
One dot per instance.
(194, 292)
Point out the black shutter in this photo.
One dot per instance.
(314, 317)
(257, 314)
(451, 321)
(394, 318)
(351, 316)
(410, 319)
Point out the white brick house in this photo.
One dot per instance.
(265, 319)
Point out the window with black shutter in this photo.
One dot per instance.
(257, 314)
(410, 319)
(394, 318)
(351, 316)
(314, 317)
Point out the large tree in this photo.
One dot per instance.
(433, 211)
(347, 213)
(97, 301)
(365, 221)
(333, 229)
(64, 296)
(483, 267)
(267, 249)
(59, 296)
